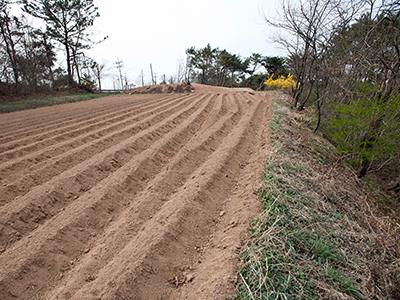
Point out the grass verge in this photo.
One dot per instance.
(16, 105)
(321, 234)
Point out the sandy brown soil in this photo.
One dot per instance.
(129, 197)
(162, 89)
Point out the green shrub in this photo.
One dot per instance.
(362, 89)
(367, 129)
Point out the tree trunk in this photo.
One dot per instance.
(69, 68)
(297, 92)
(390, 81)
(99, 82)
(51, 76)
(10, 48)
(304, 102)
(76, 65)
(319, 115)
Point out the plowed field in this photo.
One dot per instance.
(129, 197)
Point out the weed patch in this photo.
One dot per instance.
(321, 234)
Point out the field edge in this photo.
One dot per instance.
(321, 233)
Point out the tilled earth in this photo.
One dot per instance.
(129, 197)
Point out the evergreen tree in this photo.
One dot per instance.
(67, 22)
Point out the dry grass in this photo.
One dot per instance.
(322, 233)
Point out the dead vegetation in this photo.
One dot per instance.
(322, 234)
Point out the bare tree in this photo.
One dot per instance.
(308, 27)
(98, 71)
(347, 52)
(10, 35)
(181, 71)
(28, 55)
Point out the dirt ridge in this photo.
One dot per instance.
(43, 171)
(13, 126)
(12, 166)
(51, 194)
(94, 119)
(129, 202)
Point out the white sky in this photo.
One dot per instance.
(159, 32)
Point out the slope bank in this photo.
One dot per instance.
(323, 233)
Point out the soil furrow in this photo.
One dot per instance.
(182, 224)
(63, 110)
(78, 125)
(83, 204)
(56, 164)
(49, 120)
(230, 231)
(130, 197)
(171, 176)
(109, 122)
(26, 213)
(10, 170)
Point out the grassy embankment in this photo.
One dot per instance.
(322, 234)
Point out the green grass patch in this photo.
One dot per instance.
(16, 105)
(343, 283)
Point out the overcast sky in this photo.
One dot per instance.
(159, 31)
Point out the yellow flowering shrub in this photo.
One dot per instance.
(282, 82)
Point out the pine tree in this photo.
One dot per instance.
(67, 22)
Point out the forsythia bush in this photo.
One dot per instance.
(282, 82)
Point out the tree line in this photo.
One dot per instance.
(28, 54)
(214, 66)
(345, 57)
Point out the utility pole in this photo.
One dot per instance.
(126, 82)
(142, 78)
(119, 65)
(152, 75)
